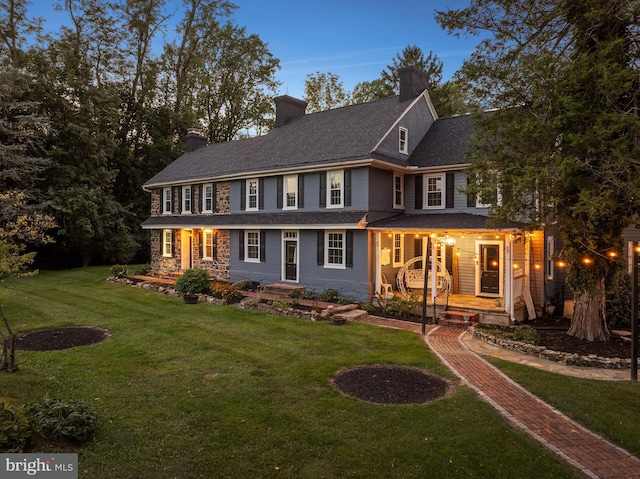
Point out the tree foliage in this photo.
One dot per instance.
(563, 146)
(324, 91)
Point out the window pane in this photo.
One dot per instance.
(335, 183)
(253, 242)
(208, 198)
(335, 248)
(253, 194)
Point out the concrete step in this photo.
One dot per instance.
(354, 314)
(283, 290)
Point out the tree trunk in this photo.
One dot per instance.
(588, 320)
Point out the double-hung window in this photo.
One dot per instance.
(167, 243)
(252, 246)
(335, 250)
(167, 199)
(434, 194)
(403, 140)
(252, 194)
(186, 200)
(398, 191)
(208, 245)
(290, 191)
(335, 191)
(207, 198)
(398, 250)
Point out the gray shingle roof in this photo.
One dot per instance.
(342, 134)
(298, 218)
(444, 144)
(436, 221)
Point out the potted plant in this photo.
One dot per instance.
(193, 282)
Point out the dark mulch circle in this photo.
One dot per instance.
(60, 338)
(391, 384)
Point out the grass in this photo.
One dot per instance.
(206, 391)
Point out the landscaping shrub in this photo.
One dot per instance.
(119, 271)
(56, 419)
(227, 292)
(16, 430)
(194, 281)
(328, 295)
(526, 334)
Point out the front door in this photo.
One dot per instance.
(187, 249)
(290, 246)
(490, 258)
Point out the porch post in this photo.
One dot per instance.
(377, 269)
(508, 277)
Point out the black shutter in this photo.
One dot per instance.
(201, 198)
(450, 192)
(300, 191)
(241, 245)
(261, 193)
(347, 187)
(179, 209)
(320, 251)
(418, 192)
(173, 244)
(349, 258)
(243, 195)
(214, 199)
(323, 190)
(191, 205)
(214, 244)
(263, 249)
(173, 200)
(279, 192)
(161, 200)
(200, 243)
(471, 199)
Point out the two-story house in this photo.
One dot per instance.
(345, 199)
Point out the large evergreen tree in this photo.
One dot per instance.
(563, 145)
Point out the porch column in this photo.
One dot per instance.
(508, 277)
(377, 270)
(434, 270)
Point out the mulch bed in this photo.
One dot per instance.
(391, 384)
(60, 338)
(553, 335)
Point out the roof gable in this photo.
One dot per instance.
(444, 144)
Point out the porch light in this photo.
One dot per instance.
(587, 261)
(450, 241)
(561, 264)
(612, 254)
(516, 265)
(537, 266)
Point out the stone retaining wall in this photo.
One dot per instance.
(570, 359)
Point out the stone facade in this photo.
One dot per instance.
(219, 266)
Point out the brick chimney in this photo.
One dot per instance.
(195, 140)
(413, 81)
(288, 108)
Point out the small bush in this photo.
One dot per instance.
(328, 295)
(526, 334)
(119, 271)
(16, 430)
(144, 269)
(194, 281)
(310, 294)
(59, 420)
(227, 292)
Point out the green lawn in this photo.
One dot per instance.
(205, 391)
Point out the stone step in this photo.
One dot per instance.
(354, 314)
(454, 323)
(460, 316)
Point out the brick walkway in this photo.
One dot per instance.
(593, 455)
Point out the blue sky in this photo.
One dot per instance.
(354, 39)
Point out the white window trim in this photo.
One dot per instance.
(204, 198)
(403, 144)
(247, 259)
(186, 191)
(205, 234)
(400, 237)
(442, 204)
(285, 191)
(249, 195)
(342, 265)
(395, 203)
(167, 196)
(167, 246)
(341, 173)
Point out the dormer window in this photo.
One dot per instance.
(403, 136)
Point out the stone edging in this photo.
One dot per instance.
(570, 359)
(165, 289)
